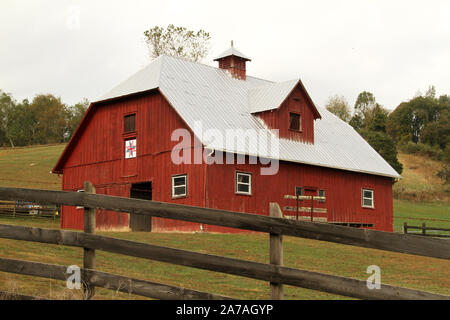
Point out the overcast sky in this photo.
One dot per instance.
(75, 49)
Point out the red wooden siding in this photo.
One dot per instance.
(99, 157)
(342, 188)
(235, 65)
(297, 102)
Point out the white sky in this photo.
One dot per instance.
(75, 49)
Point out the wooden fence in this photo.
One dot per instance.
(274, 273)
(424, 229)
(16, 209)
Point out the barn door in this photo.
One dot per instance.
(141, 191)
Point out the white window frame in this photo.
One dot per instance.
(249, 184)
(185, 185)
(364, 198)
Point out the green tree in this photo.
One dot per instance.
(49, 123)
(424, 118)
(20, 123)
(376, 118)
(370, 120)
(6, 103)
(75, 115)
(364, 102)
(339, 106)
(177, 41)
(385, 146)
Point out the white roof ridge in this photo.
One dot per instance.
(232, 51)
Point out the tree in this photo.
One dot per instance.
(339, 107)
(370, 120)
(75, 115)
(364, 102)
(385, 146)
(50, 114)
(177, 41)
(423, 119)
(376, 118)
(6, 104)
(20, 123)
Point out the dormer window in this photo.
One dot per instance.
(130, 123)
(295, 121)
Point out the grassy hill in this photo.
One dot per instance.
(420, 182)
(29, 167)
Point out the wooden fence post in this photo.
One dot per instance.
(405, 227)
(89, 254)
(276, 252)
(423, 229)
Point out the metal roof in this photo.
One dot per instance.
(269, 96)
(208, 98)
(232, 51)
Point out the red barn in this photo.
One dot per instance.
(188, 133)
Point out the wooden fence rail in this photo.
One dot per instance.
(107, 280)
(424, 229)
(430, 247)
(274, 273)
(260, 271)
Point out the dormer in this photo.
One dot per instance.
(285, 106)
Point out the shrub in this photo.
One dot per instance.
(433, 152)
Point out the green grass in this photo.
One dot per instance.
(29, 167)
(397, 269)
(434, 214)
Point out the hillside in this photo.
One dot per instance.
(420, 182)
(29, 167)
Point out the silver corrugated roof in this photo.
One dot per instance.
(208, 95)
(232, 52)
(269, 96)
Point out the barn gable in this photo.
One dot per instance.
(293, 114)
(203, 94)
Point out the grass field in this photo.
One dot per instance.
(397, 269)
(29, 168)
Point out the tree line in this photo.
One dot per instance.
(420, 126)
(44, 120)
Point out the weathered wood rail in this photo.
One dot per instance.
(423, 231)
(274, 272)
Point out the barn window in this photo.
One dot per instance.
(179, 186)
(130, 123)
(298, 191)
(321, 193)
(130, 149)
(243, 183)
(295, 121)
(367, 198)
